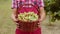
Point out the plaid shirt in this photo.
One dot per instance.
(17, 3)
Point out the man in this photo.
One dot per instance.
(18, 7)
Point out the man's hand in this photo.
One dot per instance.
(40, 20)
(14, 18)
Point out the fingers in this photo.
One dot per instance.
(14, 18)
(18, 25)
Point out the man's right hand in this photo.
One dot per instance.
(14, 18)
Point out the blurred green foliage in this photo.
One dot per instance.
(52, 8)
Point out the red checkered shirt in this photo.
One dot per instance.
(17, 3)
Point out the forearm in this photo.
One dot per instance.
(42, 13)
(14, 12)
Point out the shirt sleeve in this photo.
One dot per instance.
(41, 3)
(14, 4)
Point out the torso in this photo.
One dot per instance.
(22, 9)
